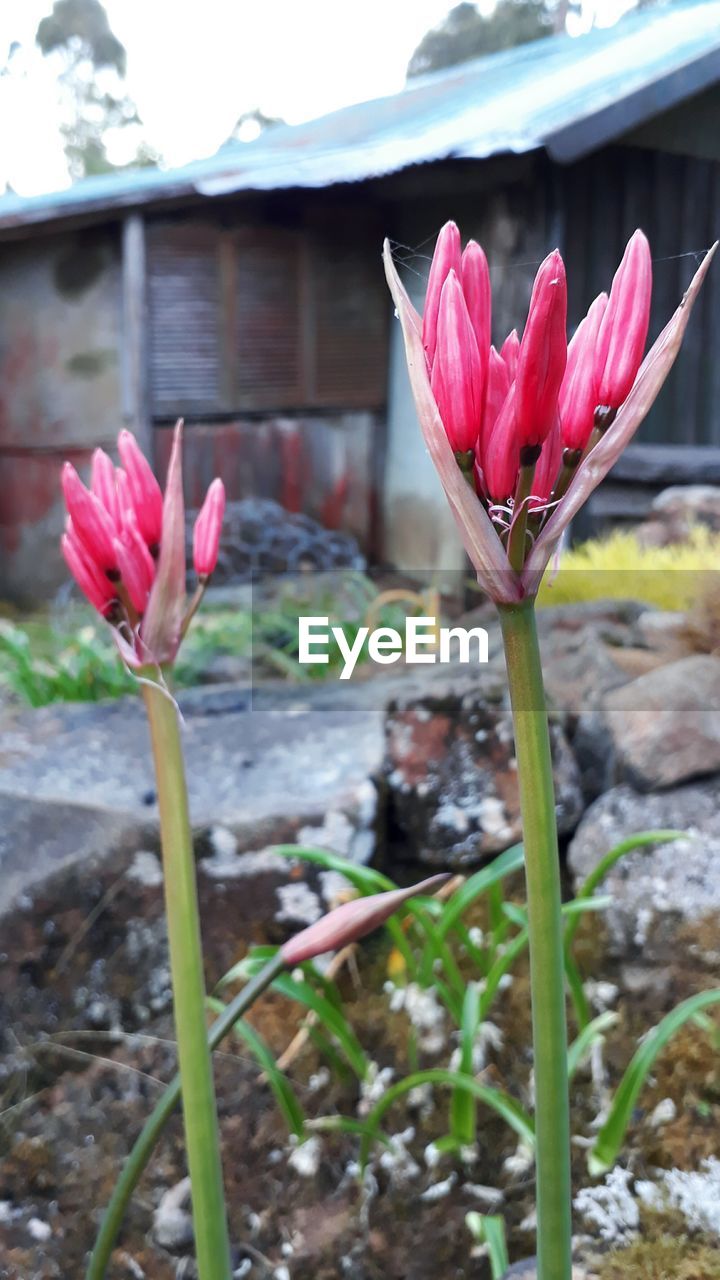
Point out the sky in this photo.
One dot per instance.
(194, 66)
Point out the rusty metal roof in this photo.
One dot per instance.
(567, 95)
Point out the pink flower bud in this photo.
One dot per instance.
(91, 522)
(145, 492)
(578, 394)
(498, 385)
(547, 469)
(478, 295)
(510, 350)
(103, 485)
(350, 921)
(624, 328)
(208, 526)
(93, 583)
(133, 539)
(501, 457)
(543, 354)
(132, 575)
(457, 375)
(447, 258)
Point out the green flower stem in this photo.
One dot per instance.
(542, 873)
(212, 1246)
(154, 1125)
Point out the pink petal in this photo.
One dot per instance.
(653, 372)
(476, 529)
(351, 921)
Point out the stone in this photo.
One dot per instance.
(451, 774)
(665, 725)
(526, 1269)
(663, 892)
(681, 507)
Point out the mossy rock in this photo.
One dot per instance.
(667, 1258)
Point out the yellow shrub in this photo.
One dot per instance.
(618, 567)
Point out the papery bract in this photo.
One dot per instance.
(457, 374)
(447, 258)
(543, 354)
(208, 527)
(624, 328)
(351, 921)
(578, 394)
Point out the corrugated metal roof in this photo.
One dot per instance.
(568, 95)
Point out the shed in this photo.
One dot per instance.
(245, 291)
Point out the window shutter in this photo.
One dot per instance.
(184, 303)
(268, 331)
(350, 340)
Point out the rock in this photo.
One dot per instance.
(664, 891)
(681, 507)
(666, 633)
(172, 1223)
(665, 726)
(451, 773)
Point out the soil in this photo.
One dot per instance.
(74, 1102)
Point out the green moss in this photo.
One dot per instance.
(619, 567)
(668, 1258)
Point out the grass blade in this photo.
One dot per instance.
(610, 1138)
(285, 1095)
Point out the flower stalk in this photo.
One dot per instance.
(186, 966)
(547, 980)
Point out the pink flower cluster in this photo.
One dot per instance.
(536, 401)
(115, 536)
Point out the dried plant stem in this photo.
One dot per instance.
(542, 874)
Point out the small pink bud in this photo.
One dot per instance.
(446, 258)
(93, 583)
(132, 574)
(498, 385)
(103, 485)
(457, 375)
(91, 522)
(208, 526)
(510, 350)
(624, 328)
(133, 538)
(350, 921)
(501, 458)
(547, 469)
(578, 394)
(143, 487)
(543, 354)
(478, 294)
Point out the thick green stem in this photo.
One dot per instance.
(542, 872)
(212, 1246)
(154, 1125)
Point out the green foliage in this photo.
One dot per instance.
(618, 567)
(489, 1230)
(466, 33)
(46, 660)
(429, 948)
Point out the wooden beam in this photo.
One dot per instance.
(135, 401)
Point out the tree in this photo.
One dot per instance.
(92, 64)
(465, 33)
